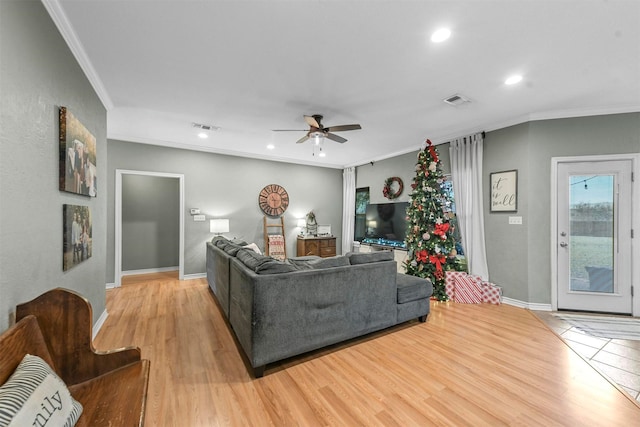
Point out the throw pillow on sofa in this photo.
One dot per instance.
(253, 247)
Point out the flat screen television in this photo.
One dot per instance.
(385, 224)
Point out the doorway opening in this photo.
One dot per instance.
(119, 226)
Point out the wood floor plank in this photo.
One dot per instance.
(469, 364)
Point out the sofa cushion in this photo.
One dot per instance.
(315, 262)
(35, 395)
(251, 259)
(366, 258)
(232, 248)
(274, 266)
(263, 264)
(412, 288)
(217, 239)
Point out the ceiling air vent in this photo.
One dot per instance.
(205, 127)
(456, 100)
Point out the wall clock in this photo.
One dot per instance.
(273, 200)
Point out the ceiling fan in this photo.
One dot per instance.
(318, 131)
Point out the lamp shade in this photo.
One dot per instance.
(219, 226)
(302, 222)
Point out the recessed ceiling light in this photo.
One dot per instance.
(440, 35)
(517, 78)
(203, 135)
(271, 147)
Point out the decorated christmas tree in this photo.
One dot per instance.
(430, 242)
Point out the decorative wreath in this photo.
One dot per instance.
(388, 192)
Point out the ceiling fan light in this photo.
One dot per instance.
(317, 138)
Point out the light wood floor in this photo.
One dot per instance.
(467, 365)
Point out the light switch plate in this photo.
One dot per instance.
(515, 220)
(199, 218)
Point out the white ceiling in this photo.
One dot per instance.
(249, 67)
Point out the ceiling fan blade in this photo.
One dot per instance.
(312, 122)
(303, 139)
(335, 138)
(343, 128)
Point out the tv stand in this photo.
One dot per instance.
(399, 254)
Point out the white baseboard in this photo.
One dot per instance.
(527, 305)
(195, 276)
(99, 323)
(149, 270)
(157, 270)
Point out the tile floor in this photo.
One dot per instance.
(617, 359)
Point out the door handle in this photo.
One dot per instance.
(563, 244)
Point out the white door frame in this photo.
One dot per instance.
(635, 222)
(118, 220)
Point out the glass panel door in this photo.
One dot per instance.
(591, 204)
(593, 244)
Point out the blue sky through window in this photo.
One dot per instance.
(599, 189)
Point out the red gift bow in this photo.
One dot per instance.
(421, 256)
(441, 230)
(437, 260)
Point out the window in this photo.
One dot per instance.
(362, 200)
(449, 206)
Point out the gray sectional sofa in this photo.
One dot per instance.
(281, 309)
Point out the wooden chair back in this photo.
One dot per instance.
(65, 318)
(22, 338)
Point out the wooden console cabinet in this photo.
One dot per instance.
(320, 246)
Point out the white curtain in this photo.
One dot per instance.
(348, 208)
(466, 174)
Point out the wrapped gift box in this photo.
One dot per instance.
(491, 293)
(450, 282)
(468, 289)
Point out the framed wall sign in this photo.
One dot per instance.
(504, 191)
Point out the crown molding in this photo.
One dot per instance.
(55, 10)
(222, 151)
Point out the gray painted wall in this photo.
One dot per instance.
(38, 74)
(507, 245)
(150, 222)
(612, 134)
(518, 255)
(374, 176)
(227, 187)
